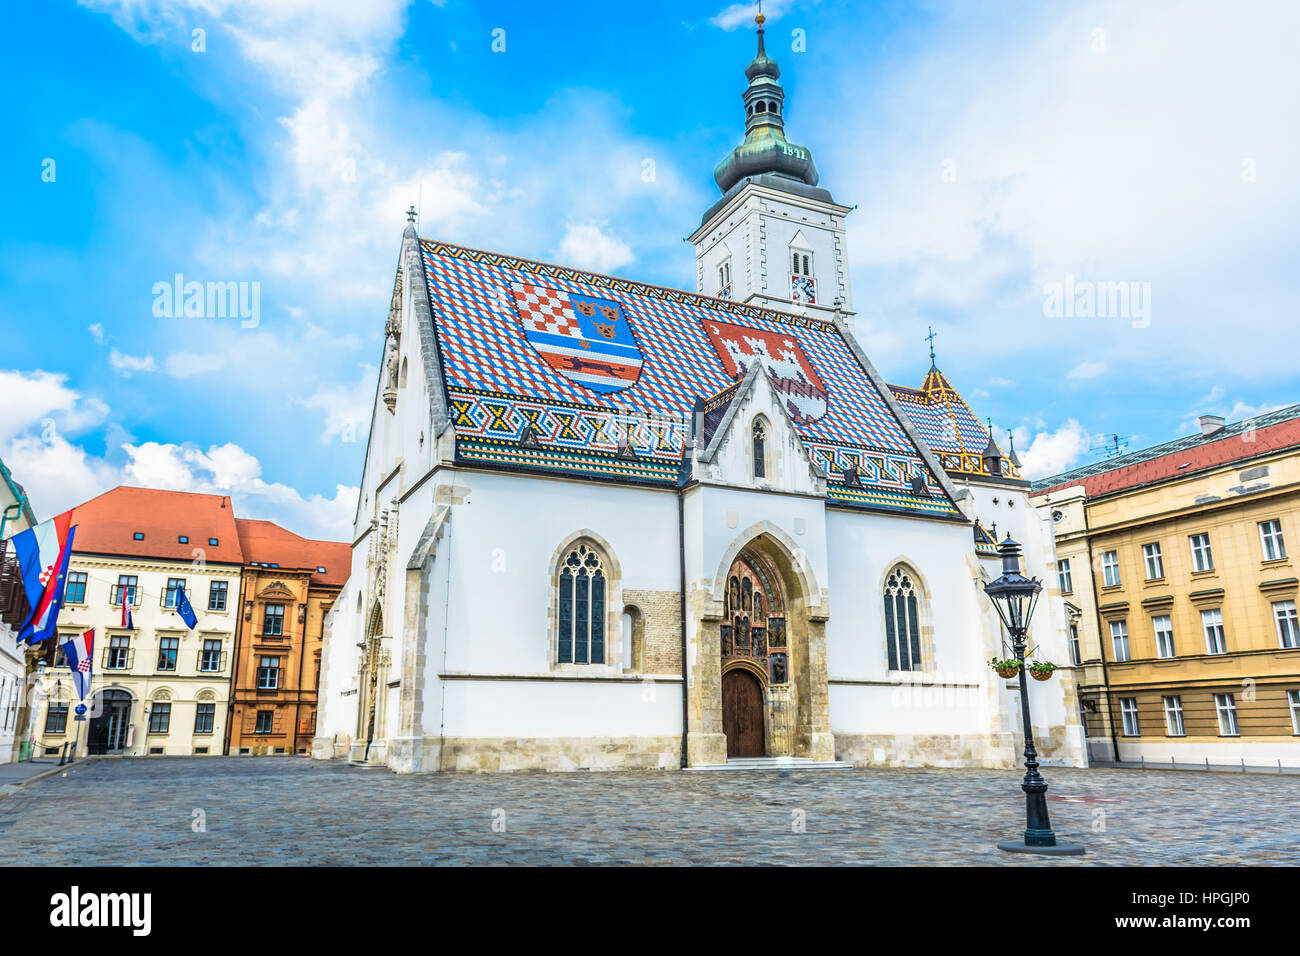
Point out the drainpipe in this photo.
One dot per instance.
(234, 659)
(683, 478)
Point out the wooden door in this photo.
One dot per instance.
(742, 713)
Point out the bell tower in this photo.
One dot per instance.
(775, 238)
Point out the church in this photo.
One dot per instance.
(610, 525)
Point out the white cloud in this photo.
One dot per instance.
(1086, 370)
(1052, 452)
(586, 247)
(742, 14)
(97, 333)
(124, 364)
(347, 408)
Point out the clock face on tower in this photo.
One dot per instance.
(803, 289)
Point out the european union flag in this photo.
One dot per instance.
(184, 609)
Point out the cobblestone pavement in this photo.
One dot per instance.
(287, 810)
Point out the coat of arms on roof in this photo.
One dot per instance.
(584, 338)
(787, 365)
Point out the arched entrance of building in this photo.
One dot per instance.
(767, 619)
(111, 723)
(370, 679)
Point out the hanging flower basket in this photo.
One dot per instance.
(1042, 670)
(1008, 667)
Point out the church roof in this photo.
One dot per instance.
(946, 423)
(555, 369)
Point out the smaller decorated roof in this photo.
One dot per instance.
(986, 546)
(950, 428)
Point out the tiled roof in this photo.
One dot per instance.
(108, 525)
(946, 423)
(266, 543)
(537, 361)
(1238, 441)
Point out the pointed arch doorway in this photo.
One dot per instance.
(757, 700)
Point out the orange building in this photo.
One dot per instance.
(288, 585)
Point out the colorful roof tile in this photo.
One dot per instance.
(946, 423)
(513, 368)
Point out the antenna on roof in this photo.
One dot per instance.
(1111, 446)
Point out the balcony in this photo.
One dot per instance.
(14, 608)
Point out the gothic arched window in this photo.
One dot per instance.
(581, 580)
(902, 621)
(760, 448)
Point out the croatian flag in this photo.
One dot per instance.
(126, 595)
(79, 651)
(43, 553)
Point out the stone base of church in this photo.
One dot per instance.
(997, 751)
(706, 749)
(330, 748)
(430, 754)
(924, 750)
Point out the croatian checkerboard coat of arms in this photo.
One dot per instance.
(787, 365)
(585, 338)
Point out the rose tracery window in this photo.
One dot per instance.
(902, 621)
(582, 607)
(754, 622)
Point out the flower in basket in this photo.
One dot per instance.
(1006, 667)
(1041, 670)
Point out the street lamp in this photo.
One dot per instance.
(1014, 597)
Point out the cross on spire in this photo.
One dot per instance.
(410, 214)
(931, 336)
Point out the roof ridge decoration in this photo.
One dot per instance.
(498, 385)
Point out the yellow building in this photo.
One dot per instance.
(158, 687)
(1176, 567)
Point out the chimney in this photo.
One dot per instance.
(1211, 424)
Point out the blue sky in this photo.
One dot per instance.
(991, 150)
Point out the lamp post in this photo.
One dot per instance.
(1014, 597)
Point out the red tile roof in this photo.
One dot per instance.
(265, 542)
(108, 524)
(1208, 454)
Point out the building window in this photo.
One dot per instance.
(174, 587)
(1202, 559)
(1174, 717)
(1128, 709)
(210, 656)
(1270, 536)
(724, 279)
(902, 621)
(1154, 561)
(1293, 698)
(1227, 710)
(74, 592)
(138, 536)
(167, 650)
(1119, 639)
(204, 716)
(1164, 629)
(582, 608)
(1288, 628)
(1212, 621)
(1110, 568)
(760, 452)
(160, 718)
(125, 588)
(263, 722)
(182, 539)
(268, 674)
(118, 646)
(1063, 573)
(56, 718)
(803, 287)
(273, 619)
(212, 542)
(1076, 653)
(217, 592)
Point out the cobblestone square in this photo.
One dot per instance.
(287, 811)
